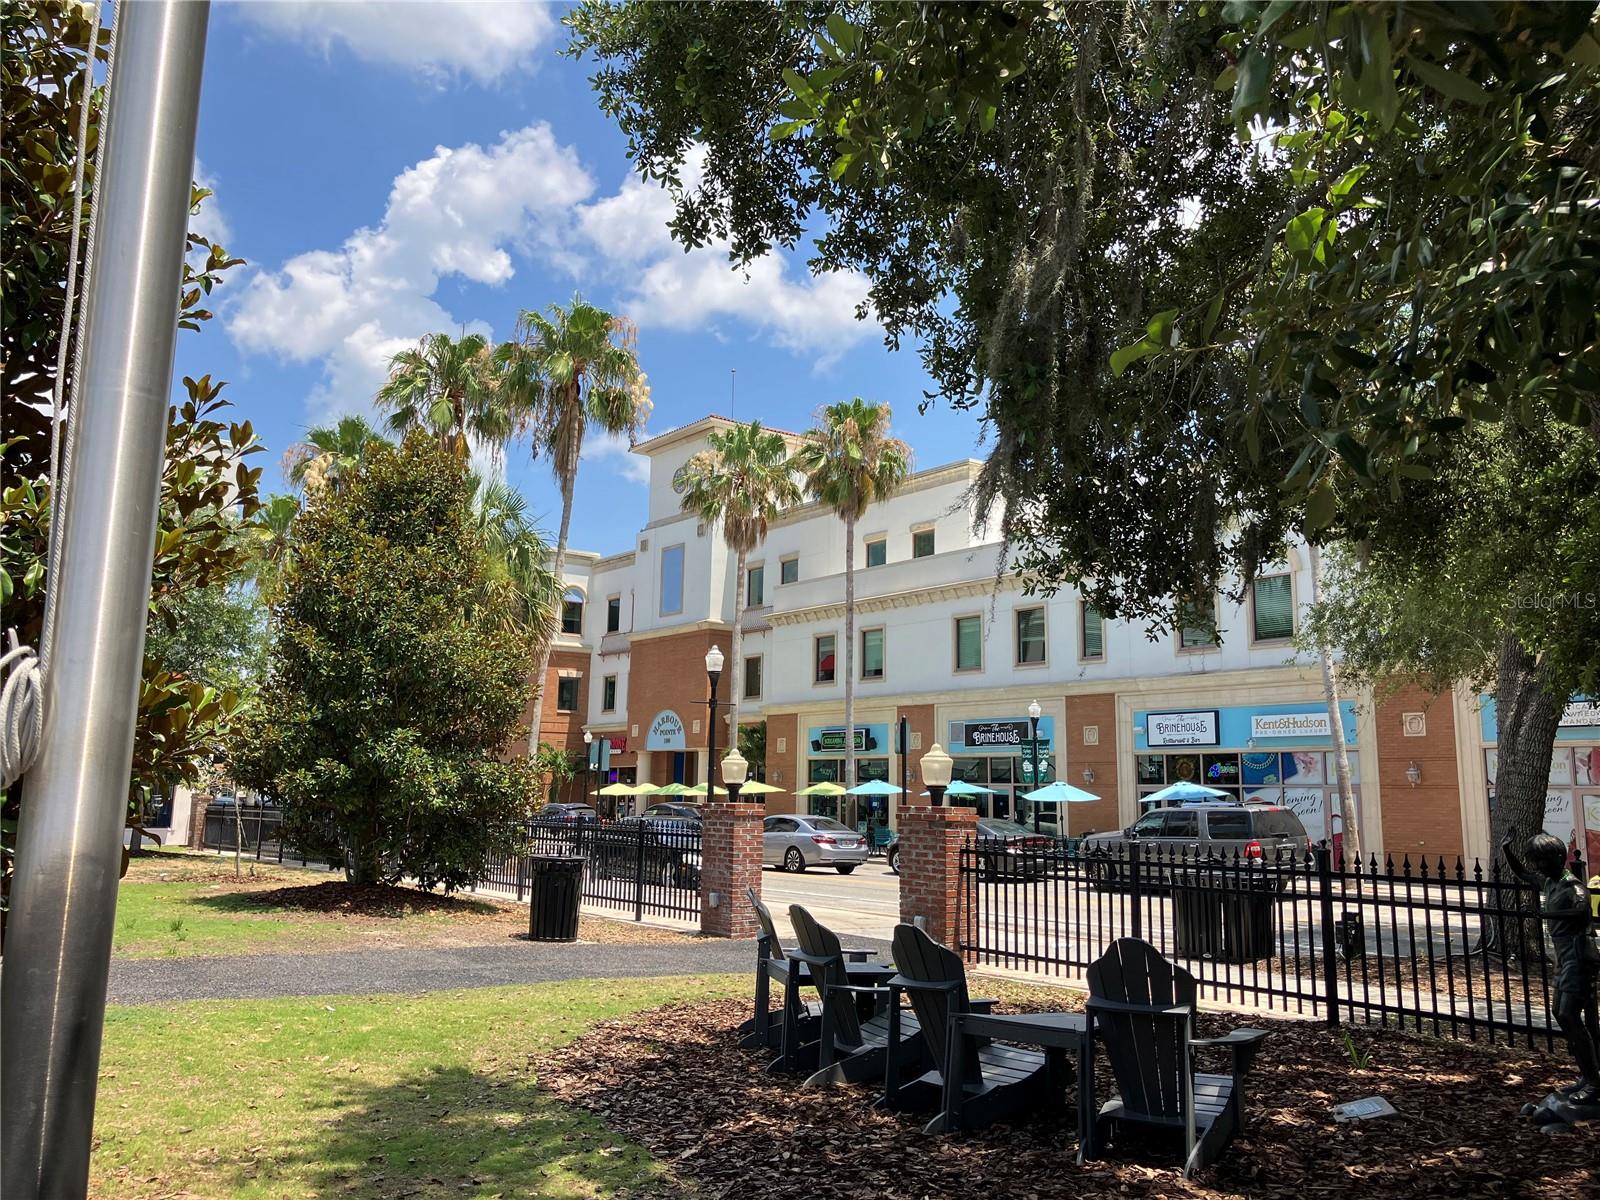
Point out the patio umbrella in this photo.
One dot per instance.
(618, 789)
(874, 787)
(1182, 793)
(672, 789)
(1059, 792)
(821, 789)
(960, 787)
(699, 789)
(757, 788)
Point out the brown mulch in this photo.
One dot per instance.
(674, 1081)
(367, 900)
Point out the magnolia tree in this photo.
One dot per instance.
(395, 683)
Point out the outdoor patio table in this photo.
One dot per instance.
(1058, 1032)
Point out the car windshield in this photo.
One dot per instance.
(826, 823)
(1005, 829)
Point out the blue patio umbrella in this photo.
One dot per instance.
(873, 787)
(1183, 793)
(1059, 792)
(960, 787)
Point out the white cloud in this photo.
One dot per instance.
(440, 40)
(613, 448)
(459, 212)
(211, 222)
(670, 289)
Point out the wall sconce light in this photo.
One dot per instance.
(1414, 774)
(1088, 774)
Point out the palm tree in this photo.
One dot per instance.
(849, 461)
(519, 558)
(269, 531)
(574, 368)
(452, 388)
(331, 454)
(743, 480)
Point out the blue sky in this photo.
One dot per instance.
(389, 169)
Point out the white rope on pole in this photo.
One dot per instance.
(23, 670)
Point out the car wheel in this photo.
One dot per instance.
(845, 868)
(794, 861)
(893, 857)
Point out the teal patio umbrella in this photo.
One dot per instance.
(873, 787)
(960, 787)
(1059, 792)
(1183, 793)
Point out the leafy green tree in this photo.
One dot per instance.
(452, 388)
(850, 462)
(569, 370)
(753, 745)
(330, 454)
(555, 768)
(393, 689)
(743, 481)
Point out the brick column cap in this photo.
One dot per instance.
(958, 815)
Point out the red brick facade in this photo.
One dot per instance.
(561, 729)
(730, 863)
(930, 867)
(1093, 716)
(919, 720)
(783, 766)
(1424, 819)
(197, 819)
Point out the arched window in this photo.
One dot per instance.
(572, 611)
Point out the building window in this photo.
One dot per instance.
(789, 570)
(567, 694)
(877, 552)
(755, 587)
(613, 613)
(872, 654)
(752, 677)
(1030, 636)
(1272, 608)
(922, 543)
(1197, 625)
(672, 580)
(969, 643)
(1092, 627)
(572, 612)
(823, 658)
(608, 694)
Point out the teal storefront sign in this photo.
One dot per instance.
(1270, 726)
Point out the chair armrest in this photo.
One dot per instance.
(857, 954)
(858, 989)
(1244, 1044)
(918, 985)
(984, 1005)
(812, 960)
(1096, 1004)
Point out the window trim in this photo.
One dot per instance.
(883, 652)
(608, 683)
(1293, 610)
(955, 648)
(661, 585)
(617, 596)
(577, 688)
(749, 568)
(932, 534)
(816, 660)
(744, 677)
(871, 540)
(1016, 637)
(1211, 647)
(785, 561)
(1083, 623)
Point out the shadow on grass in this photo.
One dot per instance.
(451, 1131)
(346, 899)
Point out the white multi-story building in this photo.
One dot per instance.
(949, 644)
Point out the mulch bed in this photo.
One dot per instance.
(674, 1081)
(367, 900)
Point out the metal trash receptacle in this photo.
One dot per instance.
(1196, 914)
(553, 888)
(1250, 916)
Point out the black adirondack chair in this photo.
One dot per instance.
(851, 1049)
(772, 963)
(1141, 1008)
(994, 1079)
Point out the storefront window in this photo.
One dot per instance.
(824, 770)
(868, 769)
(1002, 770)
(971, 770)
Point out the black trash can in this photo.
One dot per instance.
(1250, 916)
(1196, 914)
(553, 887)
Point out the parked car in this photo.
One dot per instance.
(891, 852)
(1007, 850)
(664, 851)
(581, 814)
(675, 812)
(795, 842)
(1248, 833)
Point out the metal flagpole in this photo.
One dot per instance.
(69, 843)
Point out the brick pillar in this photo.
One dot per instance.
(730, 862)
(197, 820)
(930, 867)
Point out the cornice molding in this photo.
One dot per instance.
(911, 598)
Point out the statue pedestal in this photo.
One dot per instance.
(1557, 1114)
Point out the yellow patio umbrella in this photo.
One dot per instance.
(821, 789)
(756, 788)
(699, 789)
(619, 789)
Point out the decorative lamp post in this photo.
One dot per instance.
(1034, 712)
(734, 771)
(714, 674)
(592, 759)
(936, 768)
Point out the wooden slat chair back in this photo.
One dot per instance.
(921, 959)
(817, 941)
(769, 931)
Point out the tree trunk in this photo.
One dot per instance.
(1529, 710)
(849, 655)
(736, 653)
(543, 669)
(1348, 811)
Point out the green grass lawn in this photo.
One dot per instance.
(365, 1097)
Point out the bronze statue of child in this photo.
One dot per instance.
(1564, 907)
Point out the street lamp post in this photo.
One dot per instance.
(1033, 736)
(714, 674)
(591, 760)
(936, 768)
(734, 771)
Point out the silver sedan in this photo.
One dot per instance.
(796, 842)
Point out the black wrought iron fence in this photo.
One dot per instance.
(253, 831)
(639, 866)
(1403, 945)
